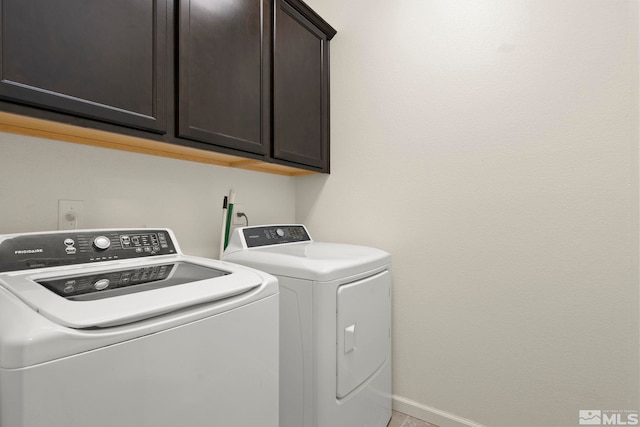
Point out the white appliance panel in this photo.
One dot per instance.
(363, 330)
(179, 376)
(296, 353)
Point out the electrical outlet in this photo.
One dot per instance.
(238, 220)
(70, 214)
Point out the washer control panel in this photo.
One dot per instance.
(29, 251)
(274, 235)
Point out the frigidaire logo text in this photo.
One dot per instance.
(28, 251)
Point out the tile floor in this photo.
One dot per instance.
(398, 419)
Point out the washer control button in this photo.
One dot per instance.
(280, 232)
(101, 243)
(69, 287)
(101, 284)
(69, 242)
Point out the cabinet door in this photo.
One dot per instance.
(301, 90)
(100, 59)
(224, 73)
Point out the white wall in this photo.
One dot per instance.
(492, 147)
(122, 189)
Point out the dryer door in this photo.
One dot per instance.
(364, 330)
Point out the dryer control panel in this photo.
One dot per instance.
(274, 235)
(68, 247)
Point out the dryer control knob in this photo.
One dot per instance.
(280, 232)
(101, 284)
(101, 243)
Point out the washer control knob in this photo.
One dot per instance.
(280, 232)
(101, 243)
(101, 284)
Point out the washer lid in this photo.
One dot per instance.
(317, 261)
(99, 298)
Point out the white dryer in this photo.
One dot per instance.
(335, 325)
(107, 328)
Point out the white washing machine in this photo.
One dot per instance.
(335, 325)
(108, 328)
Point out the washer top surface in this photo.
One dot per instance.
(291, 252)
(101, 278)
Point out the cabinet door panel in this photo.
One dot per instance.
(300, 89)
(224, 73)
(100, 59)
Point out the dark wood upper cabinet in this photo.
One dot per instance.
(301, 85)
(105, 60)
(246, 78)
(224, 73)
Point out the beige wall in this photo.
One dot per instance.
(122, 189)
(492, 147)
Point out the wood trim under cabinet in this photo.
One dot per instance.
(23, 125)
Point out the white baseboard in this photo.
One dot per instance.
(430, 415)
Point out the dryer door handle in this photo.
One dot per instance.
(349, 339)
